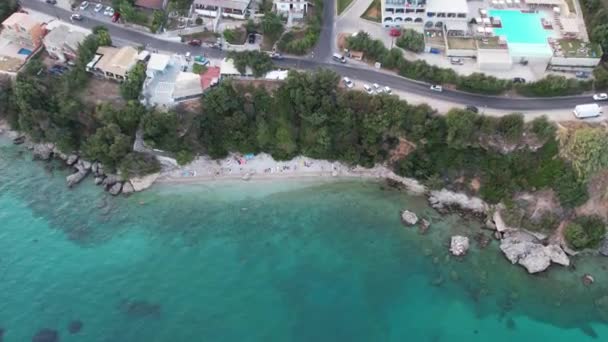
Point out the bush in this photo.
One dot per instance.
(259, 62)
(299, 46)
(411, 40)
(483, 84)
(184, 157)
(136, 164)
(542, 128)
(131, 88)
(600, 75)
(553, 85)
(198, 68)
(511, 126)
(585, 232)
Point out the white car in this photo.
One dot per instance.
(84, 5)
(600, 97)
(387, 90)
(376, 86)
(98, 7)
(368, 89)
(348, 83)
(109, 11)
(435, 87)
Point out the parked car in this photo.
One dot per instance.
(600, 97)
(109, 11)
(76, 17)
(435, 87)
(338, 57)
(348, 82)
(115, 17)
(98, 7)
(376, 86)
(472, 109)
(368, 89)
(84, 5)
(251, 38)
(456, 61)
(194, 42)
(387, 90)
(57, 70)
(519, 80)
(276, 55)
(582, 74)
(52, 2)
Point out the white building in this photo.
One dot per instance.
(236, 9)
(292, 9)
(396, 13)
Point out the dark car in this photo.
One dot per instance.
(276, 55)
(519, 80)
(52, 2)
(194, 42)
(251, 38)
(472, 109)
(582, 74)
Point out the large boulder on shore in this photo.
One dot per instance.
(115, 189)
(127, 188)
(72, 159)
(142, 183)
(459, 245)
(524, 249)
(111, 180)
(75, 178)
(43, 151)
(409, 218)
(445, 198)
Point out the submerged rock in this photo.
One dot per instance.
(587, 279)
(524, 249)
(75, 326)
(459, 245)
(409, 218)
(424, 226)
(139, 308)
(46, 335)
(482, 240)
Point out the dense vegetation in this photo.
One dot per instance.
(7, 7)
(301, 42)
(476, 83)
(411, 40)
(259, 62)
(585, 232)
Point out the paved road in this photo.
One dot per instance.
(320, 61)
(323, 50)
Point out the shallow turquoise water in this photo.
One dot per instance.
(520, 27)
(286, 261)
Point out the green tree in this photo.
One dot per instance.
(103, 36)
(108, 145)
(461, 128)
(137, 164)
(585, 232)
(272, 26)
(543, 128)
(587, 149)
(511, 126)
(411, 40)
(131, 87)
(259, 62)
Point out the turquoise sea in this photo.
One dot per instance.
(265, 261)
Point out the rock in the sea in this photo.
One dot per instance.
(587, 279)
(43, 151)
(115, 189)
(459, 245)
(19, 140)
(94, 167)
(75, 326)
(524, 249)
(482, 240)
(409, 218)
(111, 180)
(98, 180)
(127, 188)
(604, 247)
(142, 183)
(46, 335)
(72, 159)
(75, 178)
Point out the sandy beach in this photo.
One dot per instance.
(264, 167)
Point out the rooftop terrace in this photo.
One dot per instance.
(576, 48)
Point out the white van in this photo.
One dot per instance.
(338, 57)
(590, 110)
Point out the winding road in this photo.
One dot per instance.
(322, 59)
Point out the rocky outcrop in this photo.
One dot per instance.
(499, 223)
(98, 180)
(111, 180)
(115, 189)
(75, 178)
(127, 188)
(459, 245)
(408, 218)
(444, 199)
(142, 183)
(72, 159)
(524, 249)
(19, 140)
(43, 151)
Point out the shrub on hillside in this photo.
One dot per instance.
(585, 232)
(411, 40)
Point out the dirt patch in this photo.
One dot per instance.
(402, 150)
(205, 37)
(373, 12)
(598, 197)
(269, 85)
(100, 91)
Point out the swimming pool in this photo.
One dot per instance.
(23, 51)
(524, 32)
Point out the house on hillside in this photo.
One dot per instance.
(113, 63)
(291, 9)
(236, 9)
(62, 43)
(20, 38)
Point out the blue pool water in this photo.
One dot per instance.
(520, 27)
(24, 52)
